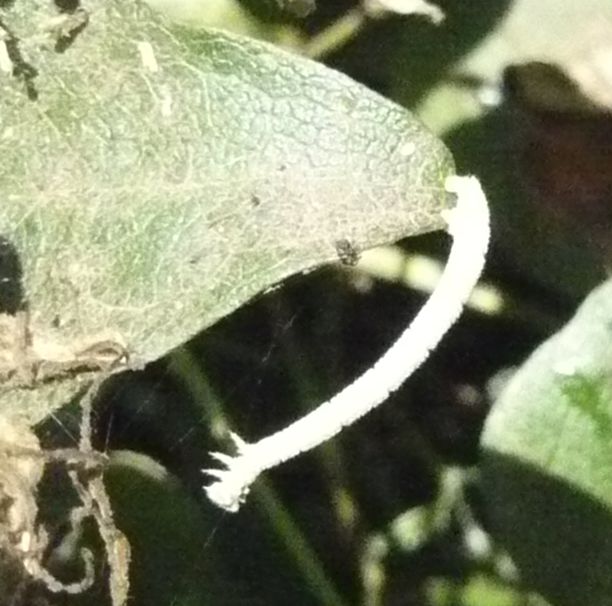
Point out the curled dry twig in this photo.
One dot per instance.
(96, 503)
(23, 539)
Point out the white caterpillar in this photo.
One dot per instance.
(468, 224)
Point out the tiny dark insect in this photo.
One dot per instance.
(347, 253)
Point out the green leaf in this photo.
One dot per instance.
(154, 179)
(225, 14)
(184, 553)
(477, 590)
(169, 535)
(547, 465)
(424, 58)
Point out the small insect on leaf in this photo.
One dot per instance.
(347, 253)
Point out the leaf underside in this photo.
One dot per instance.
(154, 179)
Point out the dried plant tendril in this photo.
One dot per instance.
(468, 225)
(23, 539)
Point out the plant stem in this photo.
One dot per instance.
(335, 36)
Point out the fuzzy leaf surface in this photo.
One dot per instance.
(154, 179)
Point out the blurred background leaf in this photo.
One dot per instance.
(529, 104)
(547, 448)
